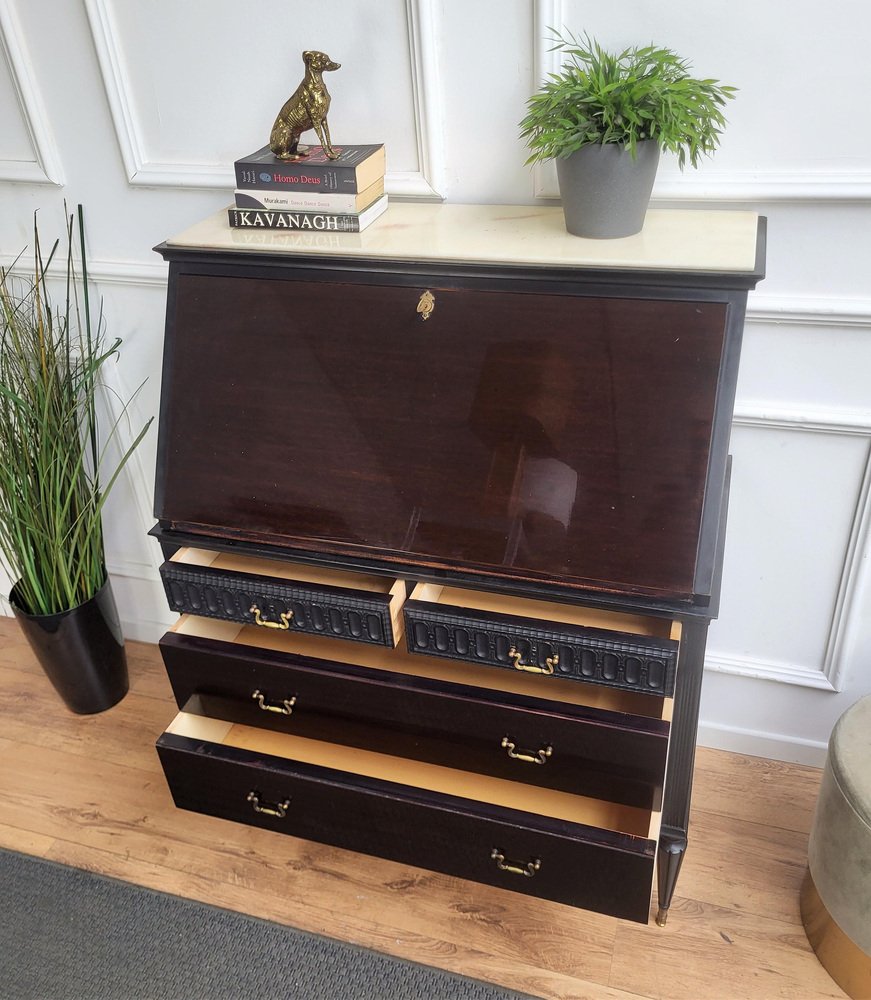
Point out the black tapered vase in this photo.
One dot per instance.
(81, 651)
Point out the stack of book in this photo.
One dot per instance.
(343, 195)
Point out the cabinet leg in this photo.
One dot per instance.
(668, 862)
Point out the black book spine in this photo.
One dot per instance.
(297, 178)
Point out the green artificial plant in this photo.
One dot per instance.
(641, 93)
(53, 480)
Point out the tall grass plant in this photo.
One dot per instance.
(55, 473)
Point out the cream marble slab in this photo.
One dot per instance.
(523, 234)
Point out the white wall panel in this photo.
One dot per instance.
(808, 364)
(15, 142)
(784, 139)
(27, 148)
(234, 82)
(787, 551)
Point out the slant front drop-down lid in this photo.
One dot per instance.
(538, 436)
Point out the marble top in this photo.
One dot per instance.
(523, 234)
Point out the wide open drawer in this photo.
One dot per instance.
(285, 596)
(632, 652)
(580, 851)
(579, 738)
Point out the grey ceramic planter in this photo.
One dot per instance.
(604, 191)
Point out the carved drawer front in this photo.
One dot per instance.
(549, 640)
(279, 596)
(588, 740)
(581, 851)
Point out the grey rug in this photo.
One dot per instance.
(67, 934)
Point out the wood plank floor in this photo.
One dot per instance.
(89, 792)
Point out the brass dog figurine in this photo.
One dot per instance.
(306, 109)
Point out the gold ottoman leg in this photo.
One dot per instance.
(844, 961)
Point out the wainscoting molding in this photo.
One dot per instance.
(708, 184)
(808, 311)
(45, 167)
(423, 183)
(116, 272)
(830, 675)
(821, 313)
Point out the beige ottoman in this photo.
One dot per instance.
(836, 896)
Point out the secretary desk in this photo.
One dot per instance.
(442, 506)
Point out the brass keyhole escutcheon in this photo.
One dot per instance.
(426, 304)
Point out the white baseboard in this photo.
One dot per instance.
(143, 631)
(775, 746)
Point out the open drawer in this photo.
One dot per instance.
(285, 596)
(580, 851)
(580, 738)
(632, 652)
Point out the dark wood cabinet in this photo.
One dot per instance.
(446, 576)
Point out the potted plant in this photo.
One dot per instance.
(606, 116)
(53, 480)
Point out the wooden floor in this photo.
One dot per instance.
(88, 791)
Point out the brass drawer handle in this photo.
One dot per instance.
(426, 304)
(530, 668)
(258, 619)
(529, 756)
(285, 707)
(279, 810)
(527, 870)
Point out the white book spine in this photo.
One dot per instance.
(335, 204)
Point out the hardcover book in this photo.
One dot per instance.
(259, 218)
(310, 201)
(356, 168)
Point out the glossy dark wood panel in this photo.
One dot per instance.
(550, 437)
(611, 755)
(594, 869)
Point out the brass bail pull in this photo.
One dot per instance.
(516, 868)
(528, 756)
(284, 623)
(531, 668)
(426, 304)
(284, 707)
(279, 809)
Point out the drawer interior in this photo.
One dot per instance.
(456, 672)
(568, 614)
(432, 777)
(315, 576)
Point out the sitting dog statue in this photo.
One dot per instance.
(306, 109)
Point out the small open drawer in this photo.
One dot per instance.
(580, 738)
(633, 652)
(284, 596)
(580, 851)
